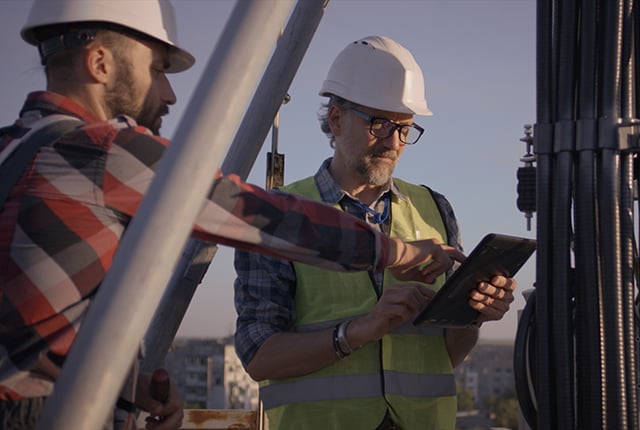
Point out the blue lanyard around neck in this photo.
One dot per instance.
(377, 217)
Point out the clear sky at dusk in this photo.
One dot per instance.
(478, 59)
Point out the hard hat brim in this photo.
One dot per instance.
(154, 19)
(179, 60)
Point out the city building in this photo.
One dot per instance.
(209, 375)
(487, 372)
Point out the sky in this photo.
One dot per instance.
(478, 60)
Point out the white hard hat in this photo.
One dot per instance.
(379, 73)
(154, 18)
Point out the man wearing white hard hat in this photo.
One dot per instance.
(339, 351)
(74, 168)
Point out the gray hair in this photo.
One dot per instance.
(323, 115)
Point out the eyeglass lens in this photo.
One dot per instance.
(384, 128)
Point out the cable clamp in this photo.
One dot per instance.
(629, 136)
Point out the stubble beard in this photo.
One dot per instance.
(122, 100)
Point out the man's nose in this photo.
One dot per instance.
(167, 94)
(393, 141)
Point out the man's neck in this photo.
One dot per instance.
(86, 96)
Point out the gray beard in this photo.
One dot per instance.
(374, 175)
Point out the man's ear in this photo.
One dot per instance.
(335, 117)
(98, 62)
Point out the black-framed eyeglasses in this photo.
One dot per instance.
(384, 128)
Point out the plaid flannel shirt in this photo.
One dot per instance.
(63, 221)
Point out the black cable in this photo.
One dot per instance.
(564, 149)
(543, 144)
(523, 353)
(589, 396)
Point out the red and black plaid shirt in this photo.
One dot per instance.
(63, 221)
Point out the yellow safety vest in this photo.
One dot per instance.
(408, 372)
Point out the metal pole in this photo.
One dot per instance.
(275, 160)
(628, 115)
(175, 301)
(615, 404)
(122, 310)
(272, 90)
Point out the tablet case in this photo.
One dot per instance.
(495, 254)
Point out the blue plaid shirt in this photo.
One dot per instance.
(265, 286)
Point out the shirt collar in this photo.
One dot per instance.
(43, 103)
(330, 191)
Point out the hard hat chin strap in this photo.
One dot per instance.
(70, 40)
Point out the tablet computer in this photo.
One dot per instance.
(495, 254)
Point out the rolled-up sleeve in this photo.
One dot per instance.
(263, 296)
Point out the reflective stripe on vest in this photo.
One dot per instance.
(356, 386)
(408, 372)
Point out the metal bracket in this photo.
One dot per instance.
(629, 136)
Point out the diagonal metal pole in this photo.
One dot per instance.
(123, 308)
(244, 150)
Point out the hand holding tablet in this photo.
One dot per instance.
(496, 254)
